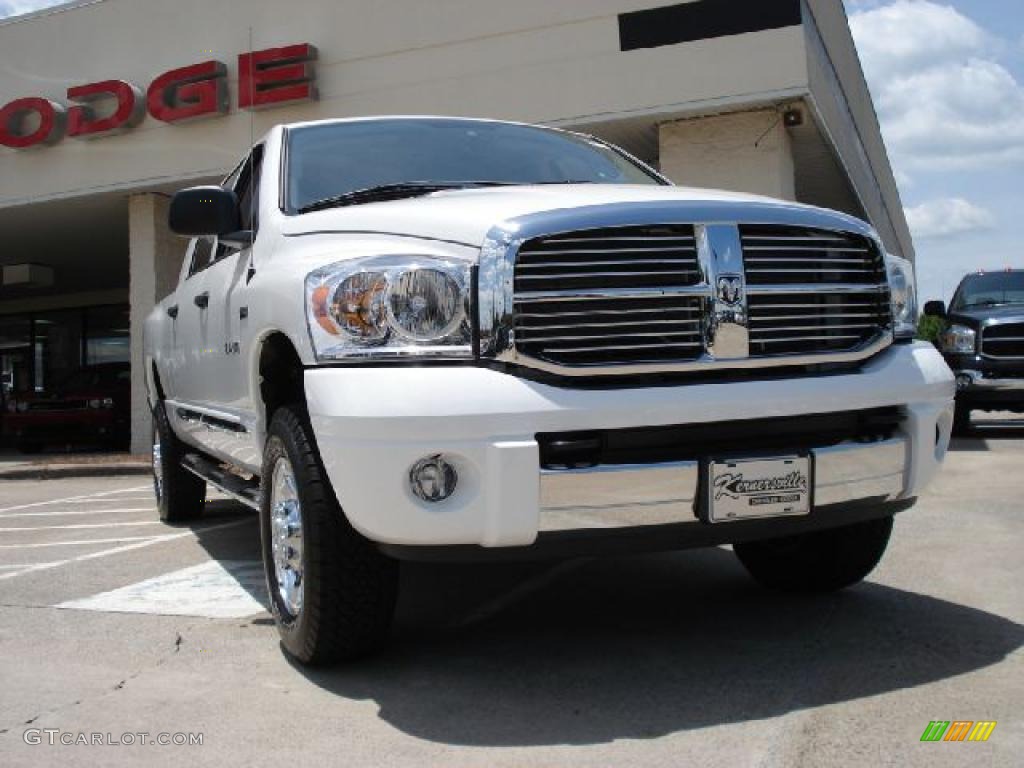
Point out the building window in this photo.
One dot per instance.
(107, 337)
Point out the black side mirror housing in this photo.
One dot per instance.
(935, 308)
(209, 211)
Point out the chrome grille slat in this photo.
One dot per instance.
(807, 259)
(642, 239)
(571, 275)
(1005, 340)
(627, 262)
(822, 288)
(832, 315)
(618, 347)
(624, 335)
(842, 276)
(609, 251)
(800, 248)
(626, 324)
(632, 294)
(796, 270)
(819, 326)
(613, 296)
(612, 312)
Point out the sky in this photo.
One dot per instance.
(946, 77)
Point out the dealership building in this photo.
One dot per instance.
(108, 106)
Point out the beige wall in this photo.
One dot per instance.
(840, 95)
(742, 151)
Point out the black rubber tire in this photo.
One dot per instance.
(822, 561)
(349, 587)
(961, 420)
(180, 495)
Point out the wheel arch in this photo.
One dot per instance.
(277, 377)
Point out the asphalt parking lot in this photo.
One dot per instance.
(112, 623)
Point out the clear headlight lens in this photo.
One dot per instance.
(959, 339)
(903, 292)
(424, 304)
(389, 306)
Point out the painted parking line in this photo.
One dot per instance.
(145, 542)
(84, 526)
(72, 499)
(80, 542)
(76, 512)
(230, 589)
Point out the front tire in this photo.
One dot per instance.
(821, 561)
(961, 420)
(180, 495)
(331, 592)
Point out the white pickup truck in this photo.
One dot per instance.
(436, 338)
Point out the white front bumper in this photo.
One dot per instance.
(373, 424)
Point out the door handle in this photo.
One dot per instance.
(172, 311)
(202, 300)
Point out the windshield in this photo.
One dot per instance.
(990, 290)
(325, 161)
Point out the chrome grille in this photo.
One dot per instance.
(812, 290)
(615, 290)
(1006, 340)
(610, 296)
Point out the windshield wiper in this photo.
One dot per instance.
(396, 191)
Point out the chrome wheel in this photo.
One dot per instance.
(158, 473)
(286, 535)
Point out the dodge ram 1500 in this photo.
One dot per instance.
(435, 338)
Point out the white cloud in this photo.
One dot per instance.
(943, 99)
(948, 217)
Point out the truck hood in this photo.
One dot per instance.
(466, 216)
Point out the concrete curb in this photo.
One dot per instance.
(44, 472)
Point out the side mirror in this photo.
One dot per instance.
(200, 211)
(935, 308)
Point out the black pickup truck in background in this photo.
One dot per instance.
(983, 342)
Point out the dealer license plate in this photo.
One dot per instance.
(741, 489)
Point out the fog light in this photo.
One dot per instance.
(963, 381)
(433, 479)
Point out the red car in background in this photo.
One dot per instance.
(92, 405)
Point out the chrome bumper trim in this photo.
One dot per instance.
(980, 384)
(631, 495)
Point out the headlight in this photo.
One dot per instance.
(904, 296)
(959, 339)
(389, 306)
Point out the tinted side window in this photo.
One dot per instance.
(202, 255)
(248, 188)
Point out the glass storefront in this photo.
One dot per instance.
(41, 349)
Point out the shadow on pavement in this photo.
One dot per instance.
(983, 430)
(641, 647)
(235, 547)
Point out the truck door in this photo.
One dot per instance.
(229, 416)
